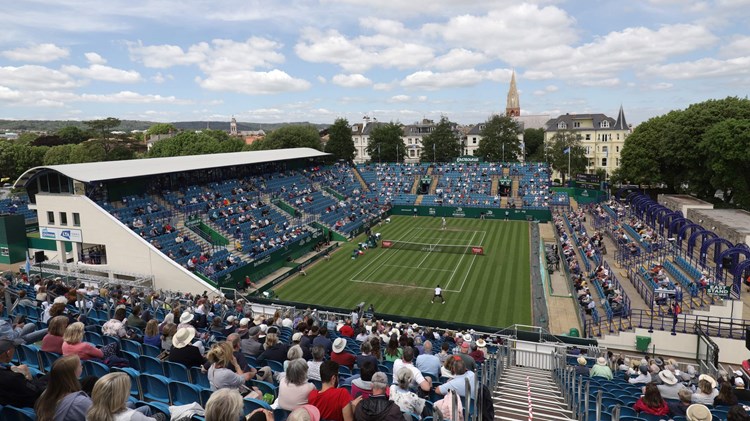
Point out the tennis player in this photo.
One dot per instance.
(438, 293)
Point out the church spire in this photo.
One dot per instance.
(621, 124)
(513, 104)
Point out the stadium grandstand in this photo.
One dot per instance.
(553, 306)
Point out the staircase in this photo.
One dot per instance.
(434, 184)
(419, 200)
(514, 187)
(361, 180)
(519, 386)
(495, 184)
(415, 185)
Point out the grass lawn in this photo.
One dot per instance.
(491, 289)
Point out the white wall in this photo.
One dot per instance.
(126, 251)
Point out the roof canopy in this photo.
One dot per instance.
(112, 170)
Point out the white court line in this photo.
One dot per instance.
(399, 285)
(439, 239)
(470, 265)
(426, 256)
(459, 263)
(412, 267)
(379, 256)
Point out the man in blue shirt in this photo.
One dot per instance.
(427, 362)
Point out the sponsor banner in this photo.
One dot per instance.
(477, 250)
(63, 234)
(386, 244)
(721, 291)
(467, 159)
(458, 213)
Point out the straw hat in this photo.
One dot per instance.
(667, 377)
(258, 319)
(698, 412)
(182, 338)
(709, 379)
(601, 361)
(581, 360)
(467, 337)
(481, 343)
(338, 345)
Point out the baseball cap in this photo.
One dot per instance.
(297, 337)
(230, 319)
(245, 321)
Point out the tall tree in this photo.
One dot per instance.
(292, 136)
(386, 143)
(72, 135)
(192, 143)
(533, 139)
(564, 148)
(442, 145)
(103, 128)
(58, 155)
(726, 145)
(160, 128)
(340, 142)
(499, 140)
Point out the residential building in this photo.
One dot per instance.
(602, 137)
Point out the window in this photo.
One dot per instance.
(51, 218)
(604, 124)
(4, 251)
(63, 218)
(411, 153)
(474, 141)
(617, 149)
(617, 161)
(576, 124)
(588, 136)
(604, 162)
(605, 149)
(618, 136)
(562, 125)
(77, 216)
(588, 150)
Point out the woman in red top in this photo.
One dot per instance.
(651, 402)
(73, 344)
(53, 340)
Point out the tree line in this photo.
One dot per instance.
(702, 150)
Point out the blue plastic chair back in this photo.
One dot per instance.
(183, 393)
(205, 395)
(48, 358)
(95, 369)
(151, 350)
(176, 371)
(29, 355)
(276, 366)
(133, 374)
(199, 378)
(131, 346)
(93, 338)
(110, 339)
(151, 365)
(253, 404)
(11, 413)
(155, 387)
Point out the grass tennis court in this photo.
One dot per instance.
(491, 289)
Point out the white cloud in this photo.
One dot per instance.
(128, 97)
(660, 86)
(604, 83)
(355, 80)
(104, 73)
(36, 78)
(160, 78)
(94, 58)
(252, 83)
(360, 53)
(164, 56)
(37, 53)
(427, 79)
(459, 58)
(547, 89)
(400, 98)
(702, 68)
(321, 79)
(739, 46)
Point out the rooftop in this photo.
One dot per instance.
(734, 219)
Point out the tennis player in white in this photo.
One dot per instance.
(438, 293)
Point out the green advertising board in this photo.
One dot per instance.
(721, 291)
(468, 159)
(541, 215)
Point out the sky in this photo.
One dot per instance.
(402, 60)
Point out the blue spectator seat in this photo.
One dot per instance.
(205, 395)
(29, 355)
(94, 369)
(184, 393)
(151, 351)
(133, 374)
(132, 360)
(253, 404)
(265, 387)
(155, 388)
(131, 346)
(11, 413)
(156, 407)
(48, 358)
(110, 339)
(151, 365)
(176, 371)
(199, 378)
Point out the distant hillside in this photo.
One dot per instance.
(128, 125)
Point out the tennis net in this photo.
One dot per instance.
(432, 248)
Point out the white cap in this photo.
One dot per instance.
(245, 321)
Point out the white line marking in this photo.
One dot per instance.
(426, 256)
(400, 284)
(459, 263)
(470, 265)
(379, 256)
(412, 267)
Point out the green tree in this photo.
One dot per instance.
(564, 148)
(104, 128)
(726, 145)
(26, 138)
(90, 151)
(499, 140)
(72, 135)
(160, 128)
(292, 136)
(533, 140)
(442, 145)
(386, 143)
(16, 158)
(340, 142)
(645, 156)
(192, 143)
(58, 155)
